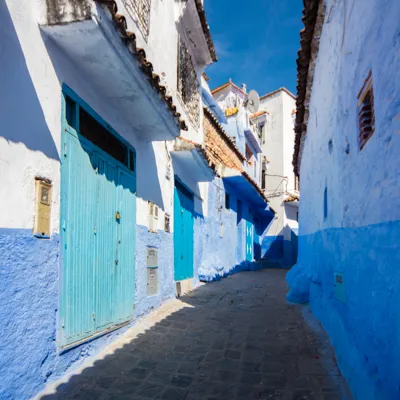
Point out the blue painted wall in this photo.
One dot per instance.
(163, 241)
(351, 229)
(29, 298)
(272, 248)
(216, 256)
(365, 328)
(29, 304)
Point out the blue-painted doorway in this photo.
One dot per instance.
(98, 221)
(183, 232)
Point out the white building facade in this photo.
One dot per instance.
(276, 116)
(99, 97)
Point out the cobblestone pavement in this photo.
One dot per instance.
(238, 340)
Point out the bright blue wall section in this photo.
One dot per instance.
(365, 328)
(272, 248)
(28, 308)
(216, 256)
(163, 241)
(29, 297)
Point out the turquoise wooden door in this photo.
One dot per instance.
(78, 197)
(105, 233)
(125, 258)
(249, 241)
(98, 220)
(183, 233)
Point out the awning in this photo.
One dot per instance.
(119, 72)
(252, 138)
(243, 184)
(190, 160)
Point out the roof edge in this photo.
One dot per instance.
(287, 91)
(206, 29)
(225, 85)
(313, 19)
(223, 133)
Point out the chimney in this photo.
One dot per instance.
(244, 88)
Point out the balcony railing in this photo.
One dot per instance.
(188, 87)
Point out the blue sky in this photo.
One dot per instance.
(256, 42)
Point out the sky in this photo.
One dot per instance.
(256, 42)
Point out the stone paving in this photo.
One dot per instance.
(239, 339)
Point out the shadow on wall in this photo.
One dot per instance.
(261, 226)
(147, 182)
(272, 247)
(22, 117)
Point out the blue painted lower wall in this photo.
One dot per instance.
(29, 298)
(272, 248)
(364, 329)
(28, 309)
(164, 242)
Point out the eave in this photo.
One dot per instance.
(197, 31)
(191, 159)
(282, 89)
(313, 19)
(247, 187)
(118, 70)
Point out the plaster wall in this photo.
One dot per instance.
(30, 145)
(220, 240)
(278, 147)
(161, 48)
(357, 239)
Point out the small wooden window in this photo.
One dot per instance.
(366, 113)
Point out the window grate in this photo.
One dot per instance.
(188, 87)
(366, 113)
(139, 11)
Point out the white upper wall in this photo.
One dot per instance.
(363, 186)
(278, 145)
(33, 71)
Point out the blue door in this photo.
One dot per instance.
(239, 233)
(183, 233)
(98, 219)
(249, 241)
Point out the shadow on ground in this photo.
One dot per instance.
(240, 339)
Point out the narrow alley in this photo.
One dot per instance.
(237, 338)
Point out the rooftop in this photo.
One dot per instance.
(277, 91)
(225, 85)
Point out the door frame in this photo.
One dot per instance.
(66, 129)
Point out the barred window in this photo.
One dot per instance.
(188, 87)
(139, 11)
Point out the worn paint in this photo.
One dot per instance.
(215, 256)
(359, 235)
